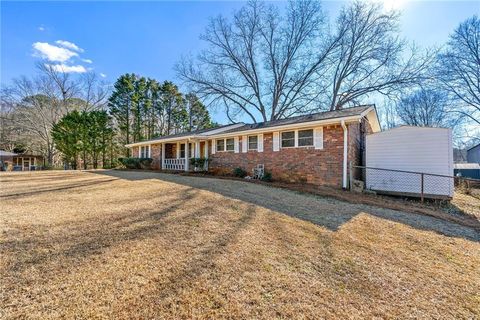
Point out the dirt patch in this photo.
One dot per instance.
(115, 244)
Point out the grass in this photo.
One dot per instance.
(147, 245)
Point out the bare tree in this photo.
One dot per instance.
(458, 68)
(35, 105)
(262, 64)
(268, 66)
(8, 131)
(426, 107)
(58, 85)
(368, 57)
(93, 92)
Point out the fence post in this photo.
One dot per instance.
(422, 186)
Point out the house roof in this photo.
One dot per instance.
(469, 166)
(475, 146)
(298, 120)
(7, 154)
(354, 111)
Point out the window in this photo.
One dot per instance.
(230, 144)
(182, 150)
(191, 152)
(288, 139)
(305, 138)
(252, 143)
(220, 145)
(145, 152)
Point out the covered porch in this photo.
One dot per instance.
(26, 162)
(176, 156)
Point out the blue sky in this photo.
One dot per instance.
(147, 38)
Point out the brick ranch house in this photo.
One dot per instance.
(314, 149)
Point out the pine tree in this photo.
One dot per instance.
(120, 106)
(198, 116)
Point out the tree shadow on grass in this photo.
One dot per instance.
(95, 235)
(323, 211)
(69, 186)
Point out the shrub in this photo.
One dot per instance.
(145, 163)
(136, 163)
(198, 163)
(267, 176)
(239, 172)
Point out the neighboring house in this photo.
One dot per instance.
(27, 162)
(313, 149)
(10, 161)
(473, 154)
(6, 160)
(467, 170)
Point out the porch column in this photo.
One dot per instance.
(187, 156)
(163, 156)
(206, 149)
(178, 150)
(197, 149)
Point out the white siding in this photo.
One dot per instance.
(418, 149)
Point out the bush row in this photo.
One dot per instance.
(242, 173)
(136, 163)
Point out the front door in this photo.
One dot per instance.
(26, 164)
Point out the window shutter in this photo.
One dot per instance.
(236, 144)
(318, 138)
(244, 143)
(260, 142)
(276, 141)
(214, 146)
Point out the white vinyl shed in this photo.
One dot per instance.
(414, 149)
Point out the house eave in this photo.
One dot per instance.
(369, 113)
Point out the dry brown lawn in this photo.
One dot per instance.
(117, 245)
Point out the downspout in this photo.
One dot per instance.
(345, 154)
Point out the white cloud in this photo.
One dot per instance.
(103, 75)
(52, 53)
(41, 28)
(69, 45)
(67, 69)
(87, 60)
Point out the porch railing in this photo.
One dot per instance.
(175, 164)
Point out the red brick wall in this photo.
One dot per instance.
(155, 154)
(135, 152)
(306, 164)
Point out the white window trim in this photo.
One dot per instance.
(225, 145)
(313, 138)
(147, 152)
(184, 150)
(296, 138)
(248, 142)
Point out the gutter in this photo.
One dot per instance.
(300, 125)
(345, 154)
